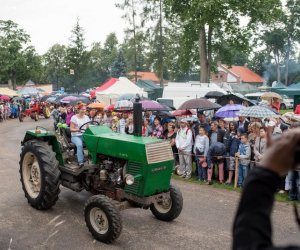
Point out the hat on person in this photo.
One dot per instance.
(184, 120)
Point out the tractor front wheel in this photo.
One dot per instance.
(102, 218)
(40, 175)
(46, 112)
(168, 208)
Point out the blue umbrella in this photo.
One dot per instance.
(229, 111)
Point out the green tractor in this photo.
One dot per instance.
(123, 171)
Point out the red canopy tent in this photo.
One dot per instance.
(103, 87)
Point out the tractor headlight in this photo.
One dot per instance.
(129, 179)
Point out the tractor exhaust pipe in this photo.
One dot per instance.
(137, 117)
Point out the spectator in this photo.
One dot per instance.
(114, 124)
(260, 145)
(108, 119)
(158, 129)
(70, 113)
(202, 123)
(216, 134)
(215, 155)
(146, 129)
(234, 143)
(201, 148)
(244, 154)
(122, 123)
(243, 124)
(184, 143)
(171, 137)
(129, 128)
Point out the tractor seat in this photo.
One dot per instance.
(66, 133)
(67, 137)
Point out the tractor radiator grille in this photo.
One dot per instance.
(159, 152)
(133, 169)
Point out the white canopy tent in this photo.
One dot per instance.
(122, 86)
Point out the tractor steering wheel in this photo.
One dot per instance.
(89, 122)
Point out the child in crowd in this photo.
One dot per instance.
(201, 147)
(244, 154)
(234, 143)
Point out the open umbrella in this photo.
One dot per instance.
(271, 95)
(256, 112)
(213, 94)
(4, 98)
(229, 111)
(96, 105)
(200, 104)
(185, 112)
(149, 105)
(236, 98)
(110, 107)
(123, 105)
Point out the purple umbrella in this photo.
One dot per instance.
(153, 106)
(229, 111)
(68, 99)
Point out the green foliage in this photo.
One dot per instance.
(109, 52)
(12, 44)
(119, 66)
(55, 64)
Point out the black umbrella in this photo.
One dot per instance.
(214, 94)
(200, 104)
(236, 98)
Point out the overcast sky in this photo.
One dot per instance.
(51, 21)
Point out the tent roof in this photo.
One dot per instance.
(278, 85)
(293, 89)
(7, 91)
(147, 85)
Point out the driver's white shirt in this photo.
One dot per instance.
(78, 123)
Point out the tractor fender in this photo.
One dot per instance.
(46, 136)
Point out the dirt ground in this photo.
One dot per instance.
(205, 222)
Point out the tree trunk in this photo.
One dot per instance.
(203, 56)
(209, 53)
(161, 59)
(134, 39)
(287, 59)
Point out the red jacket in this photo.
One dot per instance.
(297, 111)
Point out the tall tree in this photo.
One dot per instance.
(55, 64)
(217, 20)
(119, 66)
(12, 43)
(77, 56)
(109, 52)
(291, 20)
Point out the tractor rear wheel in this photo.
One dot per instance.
(168, 209)
(46, 112)
(102, 218)
(40, 175)
(36, 116)
(21, 117)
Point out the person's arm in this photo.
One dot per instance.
(252, 225)
(206, 146)
(73, 127)
(196, 143)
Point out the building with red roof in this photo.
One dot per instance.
(145, 76)
(236, 75)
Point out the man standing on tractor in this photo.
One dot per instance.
(75, 126)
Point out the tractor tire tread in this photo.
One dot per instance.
(114, 218)
(50, 175)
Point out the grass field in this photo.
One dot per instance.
(285, 111)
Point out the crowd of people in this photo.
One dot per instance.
(217, 147)
(9, 110)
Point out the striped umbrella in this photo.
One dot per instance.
(257, 112)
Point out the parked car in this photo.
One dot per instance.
(287, 102)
